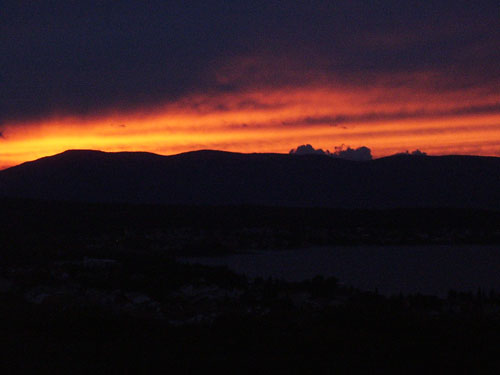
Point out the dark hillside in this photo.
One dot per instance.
(222, 178)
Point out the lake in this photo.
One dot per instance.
(391, 269)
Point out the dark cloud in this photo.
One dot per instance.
(398, 115)
(358, 154)
(308, 150)
(87, 57)
(207, 105)
(416, 152)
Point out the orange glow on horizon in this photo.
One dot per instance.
(385, 120)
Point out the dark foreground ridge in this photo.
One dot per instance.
(92, 288)
(149, 314)
(223, 178)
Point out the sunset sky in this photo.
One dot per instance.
(255, 76)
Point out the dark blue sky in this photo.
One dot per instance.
(83, 57)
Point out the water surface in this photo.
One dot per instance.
(390, 269)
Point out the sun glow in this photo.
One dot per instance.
(386, 120)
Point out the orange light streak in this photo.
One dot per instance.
(387, 120)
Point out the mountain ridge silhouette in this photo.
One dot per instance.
(210, 177)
